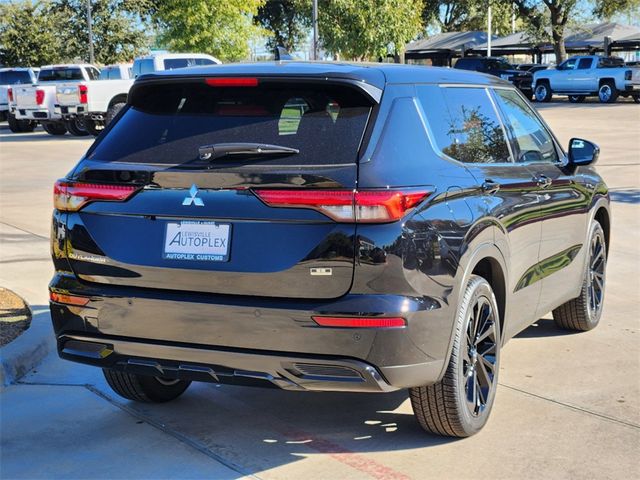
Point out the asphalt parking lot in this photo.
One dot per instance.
(568, 405)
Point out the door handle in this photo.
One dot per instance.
(489, 186)
(542, 181)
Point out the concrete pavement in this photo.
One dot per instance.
(568, 405)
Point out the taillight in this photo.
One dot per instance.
(71, 197)
(360, 322)
(10, 94)
(39, 96)
(363, 206)
(68, 299)
(232, 81)
(82, 89)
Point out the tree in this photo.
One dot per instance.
(219, 27)
(456, 16)
(28, 34)
(287, 20)
(118, 32)
(610, 8)
(368, 29)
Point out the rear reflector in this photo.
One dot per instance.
(71, 197)
(39, 96)
(68, 299)
(360, 322)
(232, 82)
(364, 206)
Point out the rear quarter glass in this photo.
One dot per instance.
(167, 123)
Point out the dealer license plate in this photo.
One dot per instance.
(197, 240)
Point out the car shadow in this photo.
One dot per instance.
(6, 136)
(544, 327)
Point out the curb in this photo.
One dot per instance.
(27, 351)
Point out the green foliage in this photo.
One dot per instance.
(287, 21)
(221, 28)
(28, 35)
(366, 29)
(54, 31)
(456, 16)
(610, 8)
(117, 36)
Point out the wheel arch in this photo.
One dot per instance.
(120, 98)
(602, 81)
(604, 219)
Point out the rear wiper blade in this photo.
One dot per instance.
(243, 149)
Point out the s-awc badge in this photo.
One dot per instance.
(197, 240)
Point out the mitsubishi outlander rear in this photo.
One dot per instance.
(325, 227)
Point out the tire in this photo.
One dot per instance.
(543, 92)
(608, 93)
(20, 126)
(54, 128)
(76, 127)
(583, 312)
(112, 112)
(140, 388)
(92, 127)
(444, 408)
(576, 98)
(636, 99)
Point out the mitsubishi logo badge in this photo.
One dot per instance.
(192, 198)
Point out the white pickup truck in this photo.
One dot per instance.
(8, 78)
(37, 102)
(96, 102)
(591, 75)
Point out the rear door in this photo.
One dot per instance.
(197, 222)
(583, 79)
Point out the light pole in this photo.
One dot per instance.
(314, 20)
(489, 31)
(91, 56)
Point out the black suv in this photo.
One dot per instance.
(499, 67)
(324, 227)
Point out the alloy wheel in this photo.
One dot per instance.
(605, 93)
(596, 275)
(541, 93)
(479, 365)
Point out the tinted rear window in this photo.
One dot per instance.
(60, 74)
(168, 123)
(12, 78)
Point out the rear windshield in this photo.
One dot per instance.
(60, 74)
(15, 77)
(173, 63)
(167, 124)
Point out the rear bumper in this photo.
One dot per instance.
(224, 338)
(34, 114)
(69, 111)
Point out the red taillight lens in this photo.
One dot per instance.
(71, 197)
(68, 299)
(82, 90)
(232, 82)
(364, 206)
(39, 96)
(360, 322)
(10, 94)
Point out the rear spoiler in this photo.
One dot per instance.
(371, 91)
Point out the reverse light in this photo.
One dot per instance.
(82, 91)
(360, 322)
(71, 197)
(232, 81)
(39, 96)
(362, 206)
(76, 300)
(10, 94)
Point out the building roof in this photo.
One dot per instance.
(448, 42)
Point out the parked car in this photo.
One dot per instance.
(392, 233)
(590, 75)
(498, 67)
(37, 102)
(531, 67)
(120, 71)
(9, 77)
(97, 102)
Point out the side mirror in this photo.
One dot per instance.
(582, 152)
